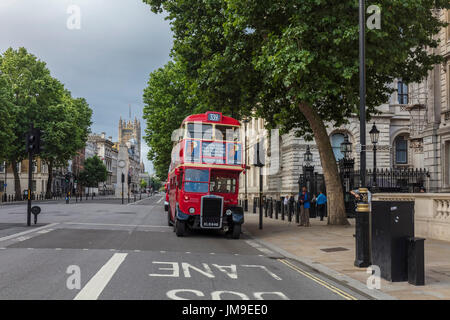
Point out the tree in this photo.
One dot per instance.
(143, 184)
(36, 97)
(66, 132)
(6, 132)
(168, 100)
(93, 173)
(296, 62)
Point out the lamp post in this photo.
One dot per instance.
(362, 227)
(374, 135)
(308, 169)
(245, 163)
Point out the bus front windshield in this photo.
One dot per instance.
(196, 180)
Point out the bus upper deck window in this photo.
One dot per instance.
(199, 131)
(226, 133)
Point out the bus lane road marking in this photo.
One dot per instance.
(100, 280)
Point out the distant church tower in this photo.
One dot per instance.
(130, 130)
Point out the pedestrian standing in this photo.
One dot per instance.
(305, 204)
(291, 204)
(285, 203)
(321, 201)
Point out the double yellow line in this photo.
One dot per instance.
(330, 287)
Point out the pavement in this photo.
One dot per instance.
(330, 251)
(106, 250)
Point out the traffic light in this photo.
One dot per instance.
(67, 177)
(33, 141)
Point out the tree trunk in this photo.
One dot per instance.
(335, 193)
(48, 194)
(17, 187)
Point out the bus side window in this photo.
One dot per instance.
(180, 179)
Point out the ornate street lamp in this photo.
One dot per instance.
(308, 169)
(308, 156)
(346, 148)
(374, 135)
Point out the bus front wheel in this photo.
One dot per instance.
(180, 228)
(236, 233)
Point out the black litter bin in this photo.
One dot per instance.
(392, 225)
(416, 261)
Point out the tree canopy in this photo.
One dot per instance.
(32, 95)
(168, 100)
(93, 173)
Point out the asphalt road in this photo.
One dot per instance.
(106, 250)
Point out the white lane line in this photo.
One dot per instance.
(137, 201)
(45, 231)
(26, 232)
(98, 282)
(18, 239)
(159, 201)
(258, 247)
(115, 225)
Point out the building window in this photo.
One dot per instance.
(336, 140)
(401, 150)
(402, 92)
(2, 167)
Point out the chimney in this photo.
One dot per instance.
(103, 135)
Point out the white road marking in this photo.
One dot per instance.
(26, 232)
(57, 249)
(115, 225)
(98, 282)
(263, 268)
(258, 247)
(45, 231)
(137, 201)
(159, 201)
(22, 238)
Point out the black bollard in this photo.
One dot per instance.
(282, 211)
(254, 205)
(297, 212)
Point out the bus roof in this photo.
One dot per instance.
(204, 117)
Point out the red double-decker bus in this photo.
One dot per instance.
(203, 181)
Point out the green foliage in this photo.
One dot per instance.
(93, 173)
(168, 100)
(6, 109)
(143, 184)
(299, 52)
(33, 96)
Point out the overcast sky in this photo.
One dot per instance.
(107, 60)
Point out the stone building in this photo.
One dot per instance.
(104, 150)
(129, 156)
(39, 182)
(414, 133)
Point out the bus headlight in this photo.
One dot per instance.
(191, 210)
(228, 212)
